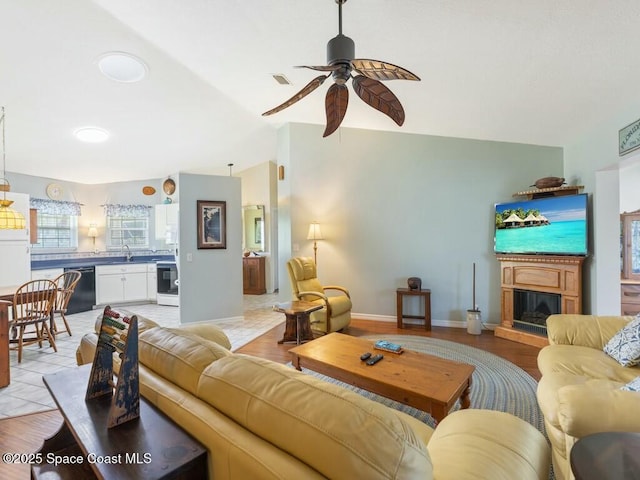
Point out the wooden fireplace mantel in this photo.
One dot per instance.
(557, 274)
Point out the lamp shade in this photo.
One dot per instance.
(314, 232)
(9, 218)
(93, 231)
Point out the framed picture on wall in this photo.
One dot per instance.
(212, 224)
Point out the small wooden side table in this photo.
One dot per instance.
(606, 456)
(423, 292)
(298, 326)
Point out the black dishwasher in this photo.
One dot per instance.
(84, 296)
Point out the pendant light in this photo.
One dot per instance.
(9, 218)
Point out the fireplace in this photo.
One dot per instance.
(537, 286)
(531, 309)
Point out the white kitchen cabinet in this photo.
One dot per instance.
(121, 283)
(152, 281)
(47, 273)
(167, 223)
(15, 249)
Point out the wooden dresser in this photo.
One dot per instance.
(253, 275)
(630, 295)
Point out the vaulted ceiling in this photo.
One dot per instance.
(540, 72)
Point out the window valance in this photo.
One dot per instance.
(56, 207)
(119, 210)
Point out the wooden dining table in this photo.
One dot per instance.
(6, 301)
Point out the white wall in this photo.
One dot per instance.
(590, 160)
(210, 279)
(395, 205)
(629, 186)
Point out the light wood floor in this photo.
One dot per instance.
(26, 433)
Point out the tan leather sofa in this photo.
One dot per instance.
(263, 420)
(579, 392)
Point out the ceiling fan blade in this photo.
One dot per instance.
(320, 68)
(309, 87)
(381, 70)
(375, 94)
(335, 104)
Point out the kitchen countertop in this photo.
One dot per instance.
(97, 260)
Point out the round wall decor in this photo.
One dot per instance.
(169, 186)
(54, 191)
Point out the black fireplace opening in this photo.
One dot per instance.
(531, 309)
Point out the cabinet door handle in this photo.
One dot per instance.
(631, 294)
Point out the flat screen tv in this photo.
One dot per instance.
(550, 225)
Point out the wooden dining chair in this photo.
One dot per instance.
(66, 285)
(32, 306)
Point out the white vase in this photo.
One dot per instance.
(474, 322)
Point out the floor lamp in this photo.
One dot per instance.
(315, 234)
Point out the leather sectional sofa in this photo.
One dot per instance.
(264, 420)
(580, 389)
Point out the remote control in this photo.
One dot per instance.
(365, 356)
(375, 359)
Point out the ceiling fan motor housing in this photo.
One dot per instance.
(340, 51)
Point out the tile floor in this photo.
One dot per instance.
(27, 393)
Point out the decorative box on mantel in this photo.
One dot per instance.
(544, 275)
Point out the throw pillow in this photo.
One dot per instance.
(624, 346)
(632, 386)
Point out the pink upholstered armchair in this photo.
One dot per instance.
(305, 285)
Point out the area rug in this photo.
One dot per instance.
(497, 384)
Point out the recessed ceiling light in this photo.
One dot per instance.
(122, 67)
(91, 134)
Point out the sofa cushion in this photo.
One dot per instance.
(178, 356)
(475, 443)
(208, 331)
(624, 346)
(583, 361)
(632, 386)
(335, 431)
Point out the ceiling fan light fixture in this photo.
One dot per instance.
(122, 67)
(91, 134)
(340, 49)
(367, 83)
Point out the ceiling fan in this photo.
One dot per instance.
(366, 84)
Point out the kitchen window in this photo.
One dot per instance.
(131, 231)
(127, 225)
(57, 232)
(57, 225)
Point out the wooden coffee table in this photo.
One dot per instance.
(425, 382)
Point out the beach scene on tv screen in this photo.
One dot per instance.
(549, 225)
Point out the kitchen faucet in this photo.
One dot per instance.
(129, 256)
